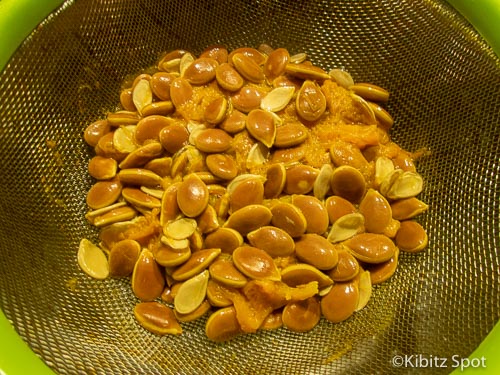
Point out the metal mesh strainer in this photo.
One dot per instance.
(445, 85)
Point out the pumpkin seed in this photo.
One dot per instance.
(92, 260)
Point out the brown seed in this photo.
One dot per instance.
(217, 294)
(95, 131)
(247, 67)
(138, 198)
(161, 166)
(249, 218)
(303, 273)
(349, 183)
(300, 179)
(276, 62)
(103, 193)
(160, 84)
(217, 52)
(411, 237)
(255, 263)
(314, 211)
(115, 215)
(272, 321)
(201, 71)
(208, 221)
(159, 108)
(371, 247)
(247, 98)
(123, 118)
(306, 71)
(139, 176)
(102, 168)
(289, 218)
(215, 112)
(223, 325)
(213, 140)
(290, 135)
(234, 123)
(226, 239)
(275, 180)
(142, 155)
(288, 155)
(167, 256)
(315, 250)
(181, 91)
(275, 241)
(346, 153)
(198, 262)
(262, 126)
(106, 148)
(337, 207)
(376, 210)
(147, 278)
(408, 208)
(126, 100)
(229, 78)
(346, 269)
(310, 102)
(192, 196)
(122, 258)
(245, 191)
(157, 318)
(370, 91)
(302, 316)
(169, 207)
(249, 52)
(222, 166)
(383, 271)
(340, 302)
(150, 127)
(224, 271)
(173, 137)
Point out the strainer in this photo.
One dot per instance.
(445, 83)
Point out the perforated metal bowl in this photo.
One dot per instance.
(444, 81)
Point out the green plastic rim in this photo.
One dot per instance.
(18, 18)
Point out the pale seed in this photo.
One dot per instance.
(142, 95)
(124, 138)
(346, 227)
(341, 77)
(277, 99)
(180, 229)
(322, 183)
(191, 293)
(92, 260)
